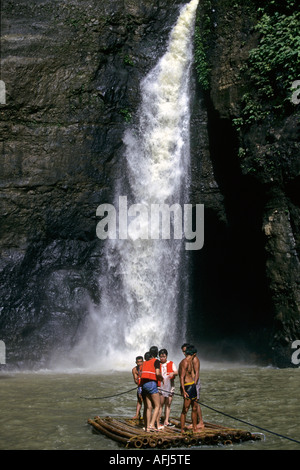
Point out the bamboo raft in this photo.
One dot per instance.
(130, 434)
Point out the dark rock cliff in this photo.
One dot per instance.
(251, 253)
(72, 72)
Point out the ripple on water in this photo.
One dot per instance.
(46, 411)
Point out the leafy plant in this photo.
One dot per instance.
(201, 43)
(128, 60)
(201, 63)
(272, 66)
(126, 114)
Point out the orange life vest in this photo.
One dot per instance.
(148, 370)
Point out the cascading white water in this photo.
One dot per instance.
(144, 284)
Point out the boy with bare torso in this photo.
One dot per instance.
(136, 372)
(196, 364)
(188, 379)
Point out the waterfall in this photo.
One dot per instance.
(144, 283)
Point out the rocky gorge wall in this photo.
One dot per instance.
(250, 179)
(72, 72)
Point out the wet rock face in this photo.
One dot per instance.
(256, 206)
(72, 72)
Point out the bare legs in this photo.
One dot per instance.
(138, 407)
(151, 401)
(186, 405)
(200, 424)
(167, 402)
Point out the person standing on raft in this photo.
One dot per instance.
(188, 378)
(136, 373)
(150, 376)
(196, 364)
(168, 371)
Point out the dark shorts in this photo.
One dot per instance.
(149, 387)
(191, 390)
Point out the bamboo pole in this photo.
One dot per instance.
(132, 434)
(121, 431)
(103, 430)
(137, 442)
(160, 438)
(152, 442)
(138, 435)
(117, 425)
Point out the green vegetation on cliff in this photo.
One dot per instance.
(273, 65)
(201, 44)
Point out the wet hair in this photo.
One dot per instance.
(163, 351)
(138, 357)
(153, 351)
(190, 350)
(185, 345)
(147, 356)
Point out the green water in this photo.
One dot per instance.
(45, 411)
